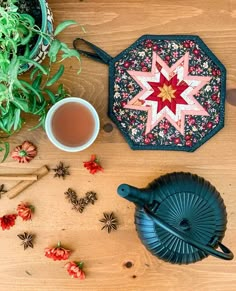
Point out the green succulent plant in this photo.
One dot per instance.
(19, 95)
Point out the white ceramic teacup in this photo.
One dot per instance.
(48, 124)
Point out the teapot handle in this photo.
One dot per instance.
(226, 254)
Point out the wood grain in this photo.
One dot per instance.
(114, 25)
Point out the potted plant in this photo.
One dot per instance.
(23, 44)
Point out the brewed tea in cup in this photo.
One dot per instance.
(72, 124)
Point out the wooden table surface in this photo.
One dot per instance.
(114, 25)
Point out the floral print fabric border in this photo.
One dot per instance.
(167, 93)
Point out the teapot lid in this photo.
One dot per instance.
(192, 207)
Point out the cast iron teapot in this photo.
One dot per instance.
(180, 218)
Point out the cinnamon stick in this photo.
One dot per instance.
(18, 188)
(14, 177)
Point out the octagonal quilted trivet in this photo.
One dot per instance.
(166, 92)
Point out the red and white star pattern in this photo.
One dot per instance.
(168, 92)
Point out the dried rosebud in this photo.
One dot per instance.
(7, 221)
(24, 153)
(93, 165)
(58, 253)
(75, 270)
(25, 211)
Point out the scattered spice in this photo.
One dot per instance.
(27, 240)
(80, 203)
(61, 171)
(91, 197)
(93, 165)
(58, 253)
(28, 273)
(7, 221)
(2, 190)
(25, 152)
(71, 196)
(75, 270)
(25, 211)
(110, 222)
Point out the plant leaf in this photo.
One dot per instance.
(7, 150)
(33, 72)
(57, 76)
(41, 108)
(54, 49)
(27, 51)
(41, 122)
(26, 39)
(51, 96)
(31, 88)
(63, 25)
(32, 103)
(20, 103)
(3, 88)
(40, 67)
(18, 84)
(13, 68)
(37, 81)
(26, 18)
(17, 118)
(3, 127)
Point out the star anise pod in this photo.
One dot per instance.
(91, 197)
(61, 171)
(78, 207)
(2, 190)
(80, 203)
(71, 196)
(27, 240)
(110, 222)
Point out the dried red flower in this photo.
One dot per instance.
(58, 253)
(93, 165)
(25, 152)
(75, 270)
(7, 221)
(25, 211)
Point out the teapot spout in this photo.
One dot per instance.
(135, 195)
